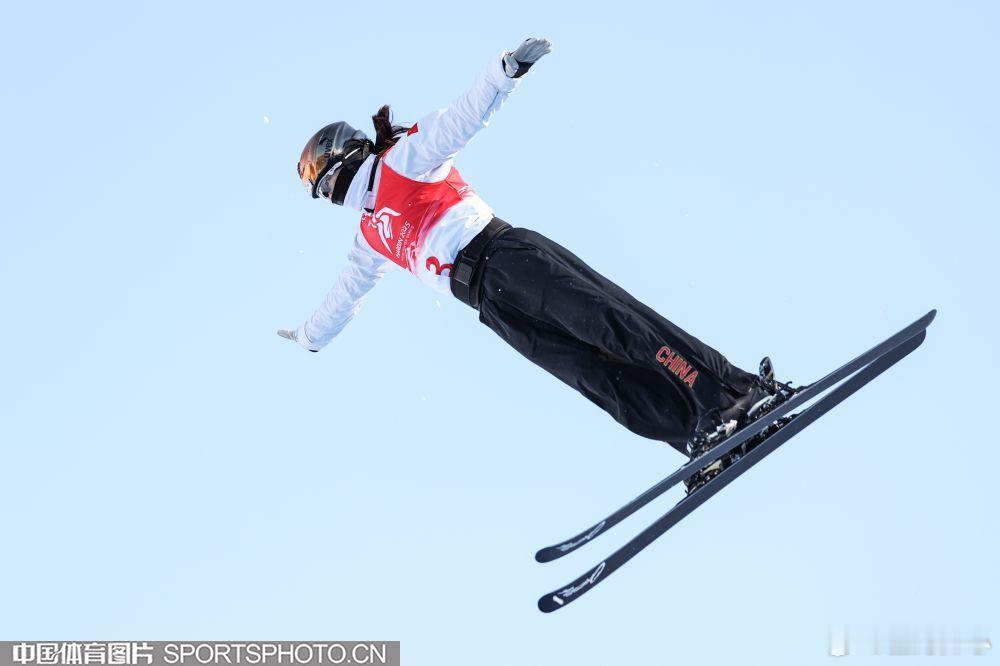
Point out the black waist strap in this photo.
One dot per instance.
(467, 273)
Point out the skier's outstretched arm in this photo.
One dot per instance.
(364, 269)
(437, 137)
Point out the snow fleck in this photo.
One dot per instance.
(438, 304)
(692, 283)
(267, 120)
(302, 251)
(656, 165)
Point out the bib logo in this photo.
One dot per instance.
(383, 220)
(676, 364)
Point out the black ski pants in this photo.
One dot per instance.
(648, 374)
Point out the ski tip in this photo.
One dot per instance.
(545, 555)
(549, 603)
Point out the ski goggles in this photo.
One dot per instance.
(326, 180)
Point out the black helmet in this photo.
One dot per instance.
(331, 158)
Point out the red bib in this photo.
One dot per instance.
(406, 210)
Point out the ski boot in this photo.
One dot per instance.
(764, 396)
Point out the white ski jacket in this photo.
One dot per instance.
(426, 155)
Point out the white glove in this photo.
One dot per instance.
(527, 54)
(297, 336)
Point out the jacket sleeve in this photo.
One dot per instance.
(437, 137)
(364, 269)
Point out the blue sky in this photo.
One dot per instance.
(791, 179)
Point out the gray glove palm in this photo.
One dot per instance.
(299, 336)
(524, 56)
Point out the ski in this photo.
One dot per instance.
(569, 593)
(801, 397)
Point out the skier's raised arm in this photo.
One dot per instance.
(364, 269)
(437, 137)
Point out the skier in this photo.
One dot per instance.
(418, 213)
